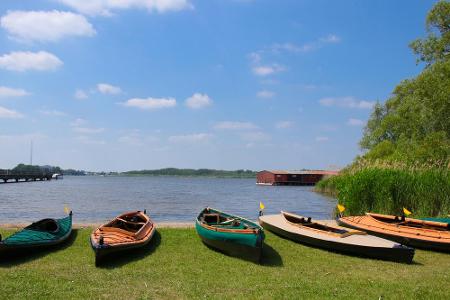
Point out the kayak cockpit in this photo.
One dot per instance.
(48, 225)
(307, 223)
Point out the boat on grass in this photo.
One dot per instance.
(41, 234)
(128, 231)
(230, 234)
(407, 231)
(335, 238)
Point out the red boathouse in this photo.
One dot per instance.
(302, 177)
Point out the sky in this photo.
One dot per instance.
(119, 85)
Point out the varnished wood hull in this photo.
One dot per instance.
(413, 237)
(107, 239)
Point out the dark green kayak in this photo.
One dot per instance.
(46, 232)
(230, 234)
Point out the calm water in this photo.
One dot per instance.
(172, 199)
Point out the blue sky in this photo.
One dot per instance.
(228, 84)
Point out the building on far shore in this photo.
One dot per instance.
(300, 177)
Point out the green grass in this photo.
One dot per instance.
(177, 265)
(425, 192)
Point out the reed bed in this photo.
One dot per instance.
(387, 187)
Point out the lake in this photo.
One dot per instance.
(96, 199)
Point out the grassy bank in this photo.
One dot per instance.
(178, 265)
(387, 189)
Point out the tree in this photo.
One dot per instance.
(414, 124)
(436, 46)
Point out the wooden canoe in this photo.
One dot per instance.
(335, 238)
(407, 231)
(230, 234)
(40, 234)
(127, 231)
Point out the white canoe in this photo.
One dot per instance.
(334, 237)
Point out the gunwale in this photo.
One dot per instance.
(254, 230)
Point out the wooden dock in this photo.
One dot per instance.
(24, 177)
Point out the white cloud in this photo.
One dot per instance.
(348, 102)
(22, 138)
(151, 103)
(284, 124)
(355, 122)
(257, 136)
(331, 38)
(290, 47)
(106, 7)
(190, 138)
(87, 130)
(198, 101)
(90, 141)
(135, 138)
(24, 61)
(7, 92)
(80, 94)
(132, 139)
(230, 125)
(9, 113)
(105, 88)
(314, 45)
(268, 69)
(265, 94)
(55, 113)
(78, 122)
(322, 139)
(255, 57)
(45, 25)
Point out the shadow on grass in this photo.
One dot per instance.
(116, 260)
(271, 257)
(13, 258)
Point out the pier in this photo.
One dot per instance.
(10, 176)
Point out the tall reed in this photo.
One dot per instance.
(387, 188)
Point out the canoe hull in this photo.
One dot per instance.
(397, 253)
(102, 251)
(246, 243)
(231, 246)
(108, 239)
(408, 241)
(233, 249)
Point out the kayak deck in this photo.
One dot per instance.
(354, 244)
(43, 232)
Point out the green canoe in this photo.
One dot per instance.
(46, 232)
(230, 234)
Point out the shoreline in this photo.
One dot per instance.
(158, 225)
(95, 225)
